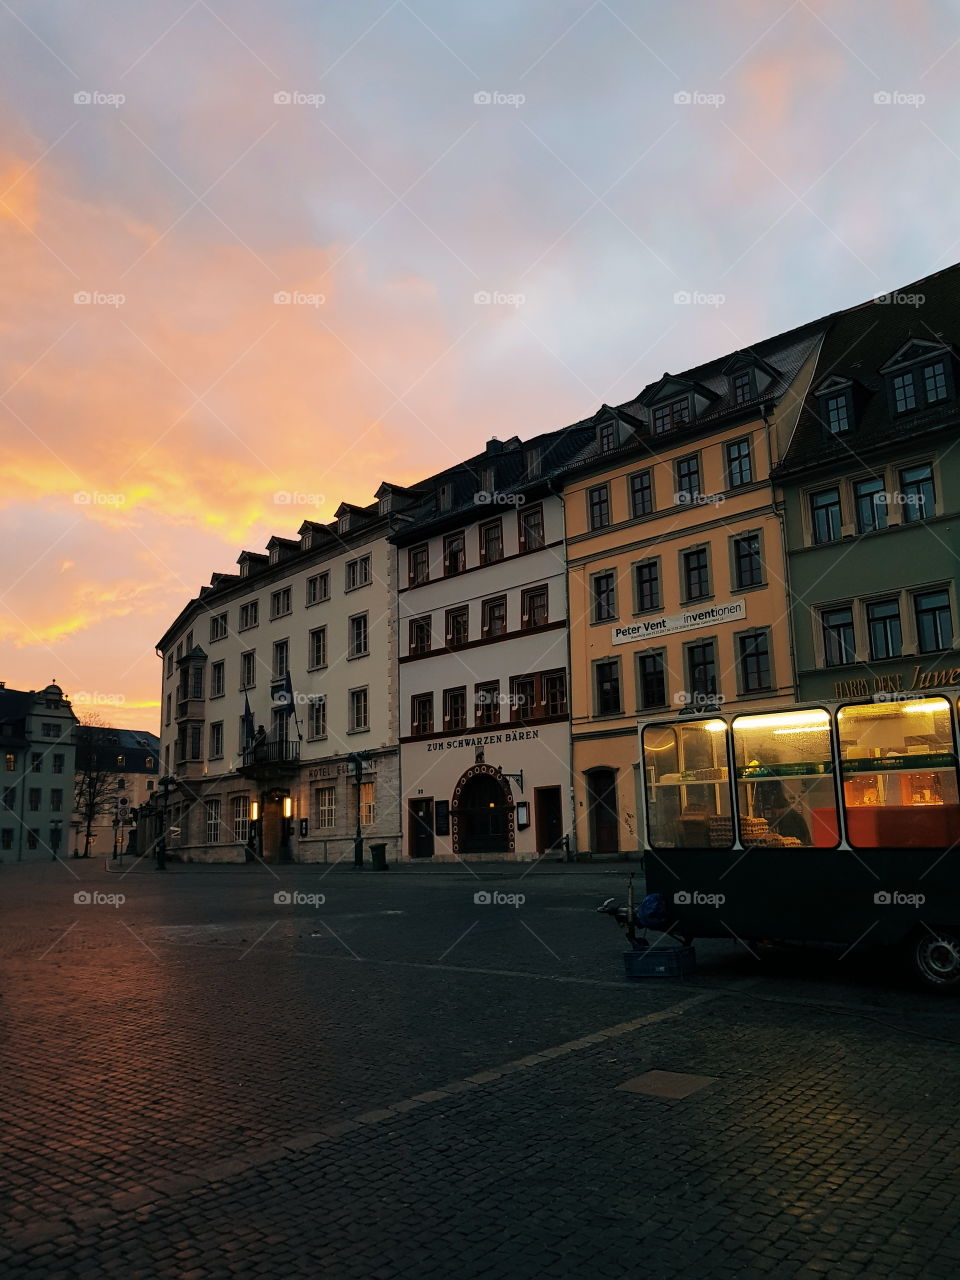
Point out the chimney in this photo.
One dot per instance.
(494, 445)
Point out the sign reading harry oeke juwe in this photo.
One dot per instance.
(732, 611)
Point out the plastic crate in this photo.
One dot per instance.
(659, 962)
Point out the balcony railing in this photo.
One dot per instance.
(283, 752)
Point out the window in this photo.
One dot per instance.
(741, 384)
(870, 505)
(702, 668)
(218, 627)
(368, 804)
(651, 681)
(249, 615)
(935, 382)
(747, 561)
(359, 637)
(883, 628)
(444, 497)
(189, 641)
(32, 838)
(687, 477)
(534, 608)
(835, 411)
(50, 730)
(648, 585)
(10, 761)
(839, 639)
(532, 536)
(455, 708)
(6, 838)
(318, 587)
(213, 822)
(196, 682)
(281, 659)
(325, 807)
(554, 693)
(667, 417)
(523, 697)
(317, 645)
(196, 744)
(170, 663)
(917, 495)
(421, 714)
(216, 740)
(33, 799)
(248, 669)
(36, 761)
(280, 602)
(533, 462)
(58, 759)
(359, 710)
(493, 617)
(317, 716)
(825, 515)
(9, 797)
(241, 819)
(753, 662)
(904, 392)
(488, 703)
(607, 692)
(217, 680)
(934, 623)
(491, 541)
(696, 574)
(179, 650)
(641, 493)
(358, 573)
(598, 506)
(457, 625)
(418, 565)
(607, 437)
(488, 480)
(421, 634)
(739, 463)
(604, 588)
(454, 554)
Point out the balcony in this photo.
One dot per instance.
(272, 756)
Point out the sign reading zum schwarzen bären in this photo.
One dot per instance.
(689, 620)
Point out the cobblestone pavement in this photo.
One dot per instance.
(202, 1082)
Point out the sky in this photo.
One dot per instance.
(255, 259)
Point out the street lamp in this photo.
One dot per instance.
(165, 786)
(56, 825)
(358, 759)
(284, 853)
(253, 843)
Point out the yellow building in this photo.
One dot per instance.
(676, 567)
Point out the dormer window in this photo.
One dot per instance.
(274, 554)
(445, 497)
(836, 412)
(343, 524)
(306, 540)
(919, 375)
(672, 414)
(607, 437)
(487, 480)
(534, 462)
(741, 386)
(245, 569)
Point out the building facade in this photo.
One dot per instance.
(484, 672)
(676, 566)
(872, 495)
(36, 773)
(116, 775)
(279, 700)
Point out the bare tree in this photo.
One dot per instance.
(96, 777)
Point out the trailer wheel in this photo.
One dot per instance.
(935, 958)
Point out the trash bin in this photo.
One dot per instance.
(378, 854)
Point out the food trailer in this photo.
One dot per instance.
(828, 821)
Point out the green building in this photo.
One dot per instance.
(871, 485)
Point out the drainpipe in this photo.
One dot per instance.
(571, 852)
(781, 524)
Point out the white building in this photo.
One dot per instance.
(36, 773)
(484, 676)
(313, 616)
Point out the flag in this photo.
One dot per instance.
(248, 727)
(289, 707)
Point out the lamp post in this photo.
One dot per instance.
(254, 828)
(358, 759)
(56, 825)
(285, 853)
(165, 786)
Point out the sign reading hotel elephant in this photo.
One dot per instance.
(689, 620)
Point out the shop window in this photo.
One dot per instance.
(899, 774)
(785, 791)
(687, 785)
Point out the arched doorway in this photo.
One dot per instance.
(602, 810)
(482, 812)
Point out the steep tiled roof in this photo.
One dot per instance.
(859, 343)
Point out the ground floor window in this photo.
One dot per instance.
(241, 819)
(213, 821)
(325, 806)
(368, 803)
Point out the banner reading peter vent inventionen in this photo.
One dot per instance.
(689, 620)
